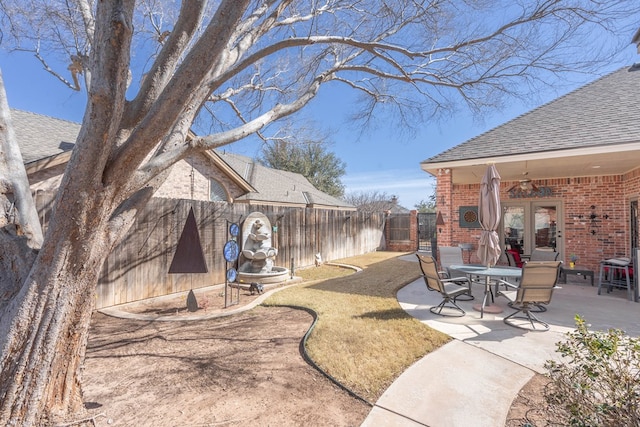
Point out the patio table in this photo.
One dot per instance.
(578, 271)
(488, 273)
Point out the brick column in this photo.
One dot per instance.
(444, 205)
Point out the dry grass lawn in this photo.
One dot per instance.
(363, 338)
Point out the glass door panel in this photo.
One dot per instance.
(513, 220)
(527, 225)
(545, 226)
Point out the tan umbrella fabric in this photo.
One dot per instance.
(489, 217)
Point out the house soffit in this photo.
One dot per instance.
(588, 161)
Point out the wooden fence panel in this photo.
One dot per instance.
(138, 267)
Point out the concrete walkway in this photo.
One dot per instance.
(473, 380)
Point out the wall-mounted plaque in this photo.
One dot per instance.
(469, 217)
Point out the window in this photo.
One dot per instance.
(217, 192)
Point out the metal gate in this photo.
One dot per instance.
(427, 233)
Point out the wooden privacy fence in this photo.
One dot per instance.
(138, 267)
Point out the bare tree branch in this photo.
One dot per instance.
(166, 62)
(16, 203)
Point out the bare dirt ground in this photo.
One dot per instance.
(240, 370)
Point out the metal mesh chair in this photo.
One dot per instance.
(448, 256)
(544, 255)
(538, 281)
(450, 289)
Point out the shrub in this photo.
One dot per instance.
(596, 383)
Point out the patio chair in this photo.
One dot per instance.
(538, 281)
(513, 258)
(448, 256)
(544, 255)
(450, 289)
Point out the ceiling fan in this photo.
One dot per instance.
(524, 184)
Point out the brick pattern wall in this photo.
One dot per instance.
(177, 185)
(444, 202)
(609, 194)
(180, 182)
(463, 195)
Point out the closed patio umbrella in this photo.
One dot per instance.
(489, 217)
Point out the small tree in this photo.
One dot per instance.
(429, 205)
(598, 381)
(310, 159)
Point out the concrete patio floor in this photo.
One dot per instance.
(481, 371)
(530, 349)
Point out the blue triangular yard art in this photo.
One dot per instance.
(189, 257)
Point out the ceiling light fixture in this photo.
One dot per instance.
(523, 185)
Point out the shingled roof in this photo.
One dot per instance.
(42, 137)
(278, 186)
(604, 112)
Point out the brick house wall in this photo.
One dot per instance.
(196, 172)
(178, 184)
(610, 195)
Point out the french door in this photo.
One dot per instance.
(527, 225)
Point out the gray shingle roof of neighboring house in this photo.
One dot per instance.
(41, 137)
(279, 186)
(397, 209)
(586, 117)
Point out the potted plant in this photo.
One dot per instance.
(572, 260)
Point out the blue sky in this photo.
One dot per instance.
(383, 159)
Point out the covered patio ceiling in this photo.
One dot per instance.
(589, 161)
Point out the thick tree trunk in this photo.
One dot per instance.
(46, 324)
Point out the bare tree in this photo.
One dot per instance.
(371, 201)
(248, 64)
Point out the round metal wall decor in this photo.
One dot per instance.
(232, 274)
(470, 216)
(230, 251)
